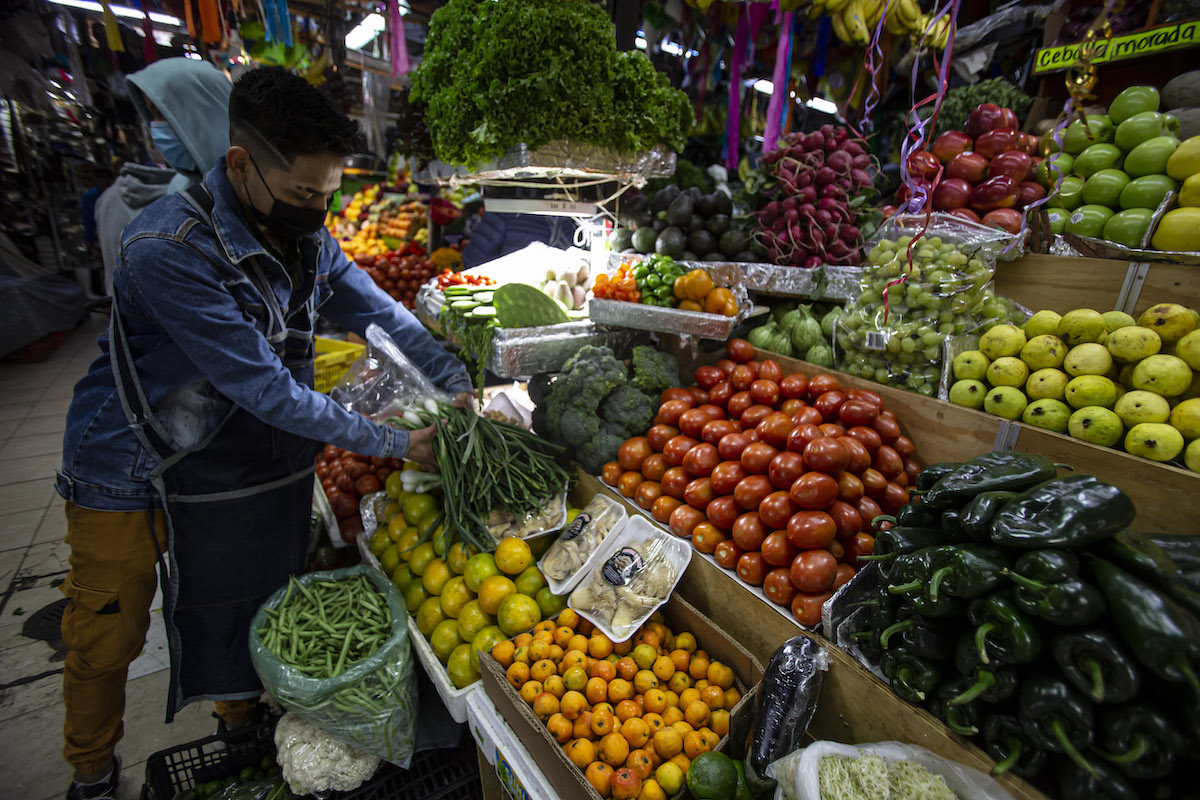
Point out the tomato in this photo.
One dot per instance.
(869, 437)
(331, 452)
(838, 550)
(708, 377)
(674, 480)
(791, 406)
(868, 509)
(846, 518)
(633, 452)
(732, 444)
(350, 528)
(322, 470)
(727, 554)
(850, 487)
(629, 483)
(698, 493)
(774, 428)
(740, 350)
(342, 504)
(700, 460)
(738, 403)
(861, 545)
(826, 455)
(367, 484)
(860, 458)
(756, 458)
(813, 570)
(866, 396)
(677, 393)
(670, 412)
(776, 509)
(647, 492)
(823, 383)
(699, 396)
(752, 435)
(874, 484)
(765, 391)
(888, 429)
(832, 429)
(662, 508)
(654, 467)
(901, 480)
(904, 446)
(355, 469)
(721, 393)
(706, 537)
(794, 385)
(801, 435)
(716, 429)
(844, 573)
(684, 519)
(809, 530)
(829, 404)
(784, 469)
(888, 462)
(777, 585)
(344, 483)
(814, 491)
(677, 448)
(328, 486)
(808, 416)
(726, 366)
(770, 370)
(806, 607)
(749, 531)
(723, 512)
(713, 410)
(895, 497)
(754, 415)
(752, 569)
(777, 550)
(912, 469)
(611, 473)
(857, 412)
(726, 475)
(742, 377)
(751, 490)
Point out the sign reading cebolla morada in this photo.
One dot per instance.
(1120, 48)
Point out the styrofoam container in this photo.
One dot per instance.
(454, 698)
(635, 530)
(569, 583)
(515, 768)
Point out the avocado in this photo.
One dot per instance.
(679, 213)
(671, 242)
(713, 255)
(643, 219)
(731, 243)
(702, 241)
(724, 203)
(622, 239)
(696, 224)
(643, 240)
(660, 224)
(664, 198)
(688, 255)
(719, 225)
(638, 204)
(694, 193)
(746, 257)
(706, 206)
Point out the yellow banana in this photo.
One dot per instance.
(893, 22)
(839, 28)
(909, 12)
(873, 12)
(854, 19)
(834, 6)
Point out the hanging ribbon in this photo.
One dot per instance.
(875, 62)
(779, 80)
(210, 21)
(149, 46)
(277, 21)
(399, 49)
(734, 119)
(112, 31)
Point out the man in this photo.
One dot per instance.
(199, 415)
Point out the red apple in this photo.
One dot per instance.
(970, 167)
(985, 117)
(1008, 119)
(1014, 163)
(887, 211)
(995, 142)
(998, 192)
(950, 144)
(1030, 143)
(1003, 218)
(1031, 192)
(923, 164)
(966, 213)
(951, 193)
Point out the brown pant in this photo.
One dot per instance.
(110, 586)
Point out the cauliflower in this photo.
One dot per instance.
(313, 761)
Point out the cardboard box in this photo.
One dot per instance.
(563, 776)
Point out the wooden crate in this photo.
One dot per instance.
(1062, 283)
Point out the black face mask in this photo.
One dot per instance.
(285, 220)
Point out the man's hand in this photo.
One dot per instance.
(464, 400)
(420, 448)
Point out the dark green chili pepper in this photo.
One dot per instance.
(962, 718)
(911, 574)
(1095, 662)
(1056, 718)
(931, 639)
(990, 472)
(1144, 558)
(1048, 586)
(912, 678)
(913, 515)
(1102, 783)
(992, 683)
(929, 476)
(1074, 511)
(898, 541)
(966, 571)
(1139, 740)
(1003, 633)
(976, 516)
(1006, 741)
(951, 527)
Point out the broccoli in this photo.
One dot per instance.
(577, 427)
(599, 451)
(569, 411)
(654, 371)
(629, 408)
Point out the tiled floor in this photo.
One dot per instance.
(33, 562)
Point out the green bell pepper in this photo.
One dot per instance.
(990, 472)
(912, 678)
(1102, 783)
(1140, 741)
(976, 516)
(1074, 511)
(992, 683)
(1056, 718)
(911, 574)
(1006, 741)
(1048, 586)
(898, 541)
(929, 476)
(966, 571)
(1002, 631)
(1095, 662)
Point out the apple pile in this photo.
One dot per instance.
(777, 476)
(986, 170)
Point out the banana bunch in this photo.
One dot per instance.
(939, 33)
(700, 4)
(854, 21)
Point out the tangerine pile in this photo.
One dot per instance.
(632, 715)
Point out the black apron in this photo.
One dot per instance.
(238, 504)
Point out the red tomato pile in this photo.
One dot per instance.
(777, 476)
(397, 274)
(346, 477)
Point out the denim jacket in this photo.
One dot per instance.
(198, 340)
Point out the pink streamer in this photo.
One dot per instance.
(734, 119)
(779, 80)
(399, 48)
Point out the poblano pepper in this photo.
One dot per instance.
(1074, 511)
(911, 574)
(1139, 740)
(992, 683)
(929, 476)
(976, 516)
(1102, 783)
(962, 718)
(966, 571)
(990, 472)
(924, 637)
(1056, 718)
(951, 529)
(1146, 559)
(1095, 662)
(1006, 741)
(1049, 587)
(912, 678)
(898, 541)
(1162, 636)
(913, 515)
(1003, 633)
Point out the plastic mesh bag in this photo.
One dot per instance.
(383, 383)
(372, 705)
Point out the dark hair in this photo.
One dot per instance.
(271, 106)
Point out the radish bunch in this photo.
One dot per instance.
(817, 183)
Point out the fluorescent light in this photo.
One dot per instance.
(821, 104)
(121, 11)
(671, 47)
(764, 86)
(371, 26)
(639, 43)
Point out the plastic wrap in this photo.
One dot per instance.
(384, 382)
(550, 516)
(559, 159)
(251, 790)
(821, 283)
(563, 563)
(372, 704)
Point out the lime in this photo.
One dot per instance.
(457, 557)
(444, 639)
(402, 576)
(712, 776)
(441, 540)
(459, 667)
(422, 556)
(417, 506)
(530, 581)
(393, 485)
(380, 540)
(551, 604)
(429, 614)
(414, 595)
(435, 576)
(455, 595)
(480, 567)
(472, 619)
(518, 612)
(484, 641)
(389, 559)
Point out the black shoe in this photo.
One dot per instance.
(258, 714)
(105, 789)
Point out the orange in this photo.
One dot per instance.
(560, 728)
(694, 744)
(603, 723)
(627, 668)
(521, 654)
(664, 668)
(652, 790)
(713, 697)
(644, 681)
(639, 762)
(686, 697)
(641, 703)
(567, 618)
(686, 641)
(572, 705)
(517, 612)
(681, 761)
(679, 681)
(720, 722)
(658, 628)
(542, 669)
(599, 646)
(604, 707)
(546, 625)
(619, 689)
(604, 670)
(573, 658)
(562, 635)
(636, 731)
(555, 686)
(577, 642)
(600, 775)
(669, 776)
(576, 679)
(732, 696)
(645, 656)
(672, 715)
(545, 705)
(668, 743)
(581, 752)
(585, 627)
(623, 648)
(614, 749)
(556, 654)
(503, 653)
(655, 701)
(517, 675)
(457, 556)
(539, 650)
(699, 667)
(710, 738)
(654, 722)
(647, 637)
(672, 698)
(583, 726)
(697, 714)
(626, 784)
(513, 556)
(627, 709)
(523, 639)
(480, 567)
(530, 691)
(596, 690)
(683, 728)
(720, 674)
(701, 685)
(681, 659)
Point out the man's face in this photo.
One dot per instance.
(310, 182)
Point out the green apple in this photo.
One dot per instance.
(1137, 407)
(1007, 371)
(1131, 101)
(1147, 191)
(1053, 415)
(1051, 167)
(1096, 425)
(1058, 220)
(1088, 220)
(1096, 158)
(1091, 390)
(1133, 343)
(970, 365)
(1170, 321)
(1070, 193)
(1076, 138)
(969, 393)
(1165, 375)
(1154, 441)
(1047, 384)
(1191, 456)
(1005, 401)
(1115, 320)
(1044, 351)
(1142, 128)
(1042, 322)
(1002, 340)
(1185, 417)
(1129, 227)
(1081, 325)
(1150, 158)
(1088, 359)
(1188, 348)
(1104, 187)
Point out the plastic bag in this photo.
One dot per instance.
(797, 773)
(313, 762)
(383, 383)
(372, 705)
(564, 561)
(253, 790)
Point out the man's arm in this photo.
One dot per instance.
(168, 284)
